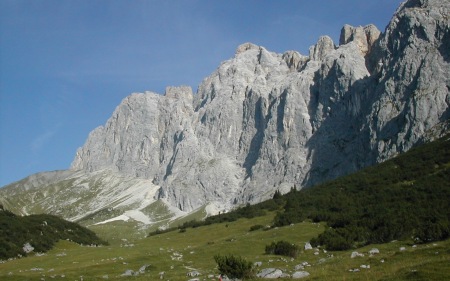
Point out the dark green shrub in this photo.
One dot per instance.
(288, 217)
(41, 232)
(277, 195)
(432, 231)
(161, 231)
(319, 216)
(283, 248)
(256, 227)
(234, 267)
(332, 240)
(401, 198)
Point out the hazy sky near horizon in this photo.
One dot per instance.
(66, 64)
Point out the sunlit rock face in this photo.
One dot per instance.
(265, 121)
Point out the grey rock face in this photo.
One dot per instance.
(412, 78)
(364, 37)
(128, 143)
(323, 47)
(264, 121)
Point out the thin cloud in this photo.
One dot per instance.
(40, 141)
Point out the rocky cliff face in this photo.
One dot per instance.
(264, 121)
(410, 66)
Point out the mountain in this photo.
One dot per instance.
(261, 122)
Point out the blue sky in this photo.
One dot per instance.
(66, 64)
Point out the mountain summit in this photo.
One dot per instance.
(261, 122)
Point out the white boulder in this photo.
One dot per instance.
(27, 248)
(308, 246)
(356, 254)
(270, 273)
(300, 274)
(374, 251)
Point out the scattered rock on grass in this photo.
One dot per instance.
(356, 254)
(270, 273)
(128, 272)
(374, 251)
(308, 246)
(257, 264)
(300, 274)
(194, 273)
(143, 268)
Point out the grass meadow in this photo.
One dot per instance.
(178, 253)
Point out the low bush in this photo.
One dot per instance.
(283, 248)
(256, 227)
(234, 267)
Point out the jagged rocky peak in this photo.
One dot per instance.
(179, 92)
(294, 60)
(412, 60)
(249, 53)
(128, 140)
(425, 21)
(323, 47)
(245, 47)
(364, 37)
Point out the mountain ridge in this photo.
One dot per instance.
(264, 121)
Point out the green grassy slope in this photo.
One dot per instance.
(406, 199)
(178, 253)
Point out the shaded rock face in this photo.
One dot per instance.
(264, 121)
(411, 97)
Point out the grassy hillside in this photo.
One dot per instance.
(178, 253)
(400, 207)
(39, 232)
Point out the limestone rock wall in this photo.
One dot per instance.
(265, 121)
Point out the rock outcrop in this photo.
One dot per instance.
(364, 37)
(265, 121)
